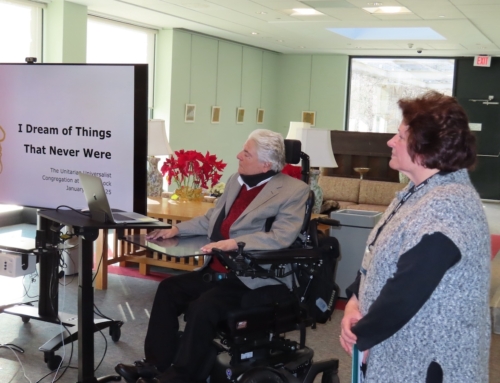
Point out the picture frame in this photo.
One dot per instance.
(309, 116)
(260, 116)
(190, 113)
(240, 115)
(215, 115)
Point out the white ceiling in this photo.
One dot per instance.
(470, 27)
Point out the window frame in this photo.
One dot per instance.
(349, 82)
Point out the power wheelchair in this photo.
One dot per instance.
(252, 346)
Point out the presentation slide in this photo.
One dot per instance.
(59, 120)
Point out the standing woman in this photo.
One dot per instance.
(419, 307)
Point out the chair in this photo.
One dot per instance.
(253, 347)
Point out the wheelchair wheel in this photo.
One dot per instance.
(261, 375)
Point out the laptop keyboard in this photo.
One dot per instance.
(120, 217)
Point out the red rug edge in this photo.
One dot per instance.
(495, 245)
(340, 304)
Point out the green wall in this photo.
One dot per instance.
(206, 71)
(65, 33)
(197, 69)
(209, 72)
(313, 83)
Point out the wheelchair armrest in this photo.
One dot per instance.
(328, 221)
(283, 256)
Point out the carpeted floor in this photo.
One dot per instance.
(127, 299)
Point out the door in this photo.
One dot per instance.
(479, 83)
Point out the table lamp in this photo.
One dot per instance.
(317, 144)
(157, 146)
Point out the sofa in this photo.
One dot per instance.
(357, 194)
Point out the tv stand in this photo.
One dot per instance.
(87, 231)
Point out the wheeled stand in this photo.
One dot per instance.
(48, 307)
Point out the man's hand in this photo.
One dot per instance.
(163, 233)
(225, 245)
(351, 316)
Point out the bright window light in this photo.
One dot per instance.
(112, 42)
(20, 32)
(423, 33)
(376, 85)
(6, 208)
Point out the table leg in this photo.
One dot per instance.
(101, 260)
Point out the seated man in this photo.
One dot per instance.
(257, 192)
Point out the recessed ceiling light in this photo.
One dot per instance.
(254, 33)
(305, 12)
(390, 10)
(374, 4)
(441, 16)
(261, 13)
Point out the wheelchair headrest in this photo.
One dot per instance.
(292, 151)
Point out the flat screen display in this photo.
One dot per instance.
(60, 119)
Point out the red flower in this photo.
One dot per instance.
(193, 169)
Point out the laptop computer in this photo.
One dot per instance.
(99, 205)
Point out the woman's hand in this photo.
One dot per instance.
(351, 316)
(163, 233)
(225, 245)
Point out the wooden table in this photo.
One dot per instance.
(165, 210)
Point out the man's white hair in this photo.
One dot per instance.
(270, 147)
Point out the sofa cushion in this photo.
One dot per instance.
(378, 192)
(339, 188)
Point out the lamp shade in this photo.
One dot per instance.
(293, 130)
(316, 143)
(157, 139)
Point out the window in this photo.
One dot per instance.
(376, 85)
(20, 31)
(112, 42)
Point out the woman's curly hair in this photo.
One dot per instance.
(439, 136)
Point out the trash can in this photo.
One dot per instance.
(355, 226)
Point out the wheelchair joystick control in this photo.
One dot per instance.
(241, 246)
(240, 258)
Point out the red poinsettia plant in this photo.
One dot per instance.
(192, 169)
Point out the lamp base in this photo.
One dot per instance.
(318, 192)
(155, 178)
(361, 171)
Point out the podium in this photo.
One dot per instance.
(87, 231)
